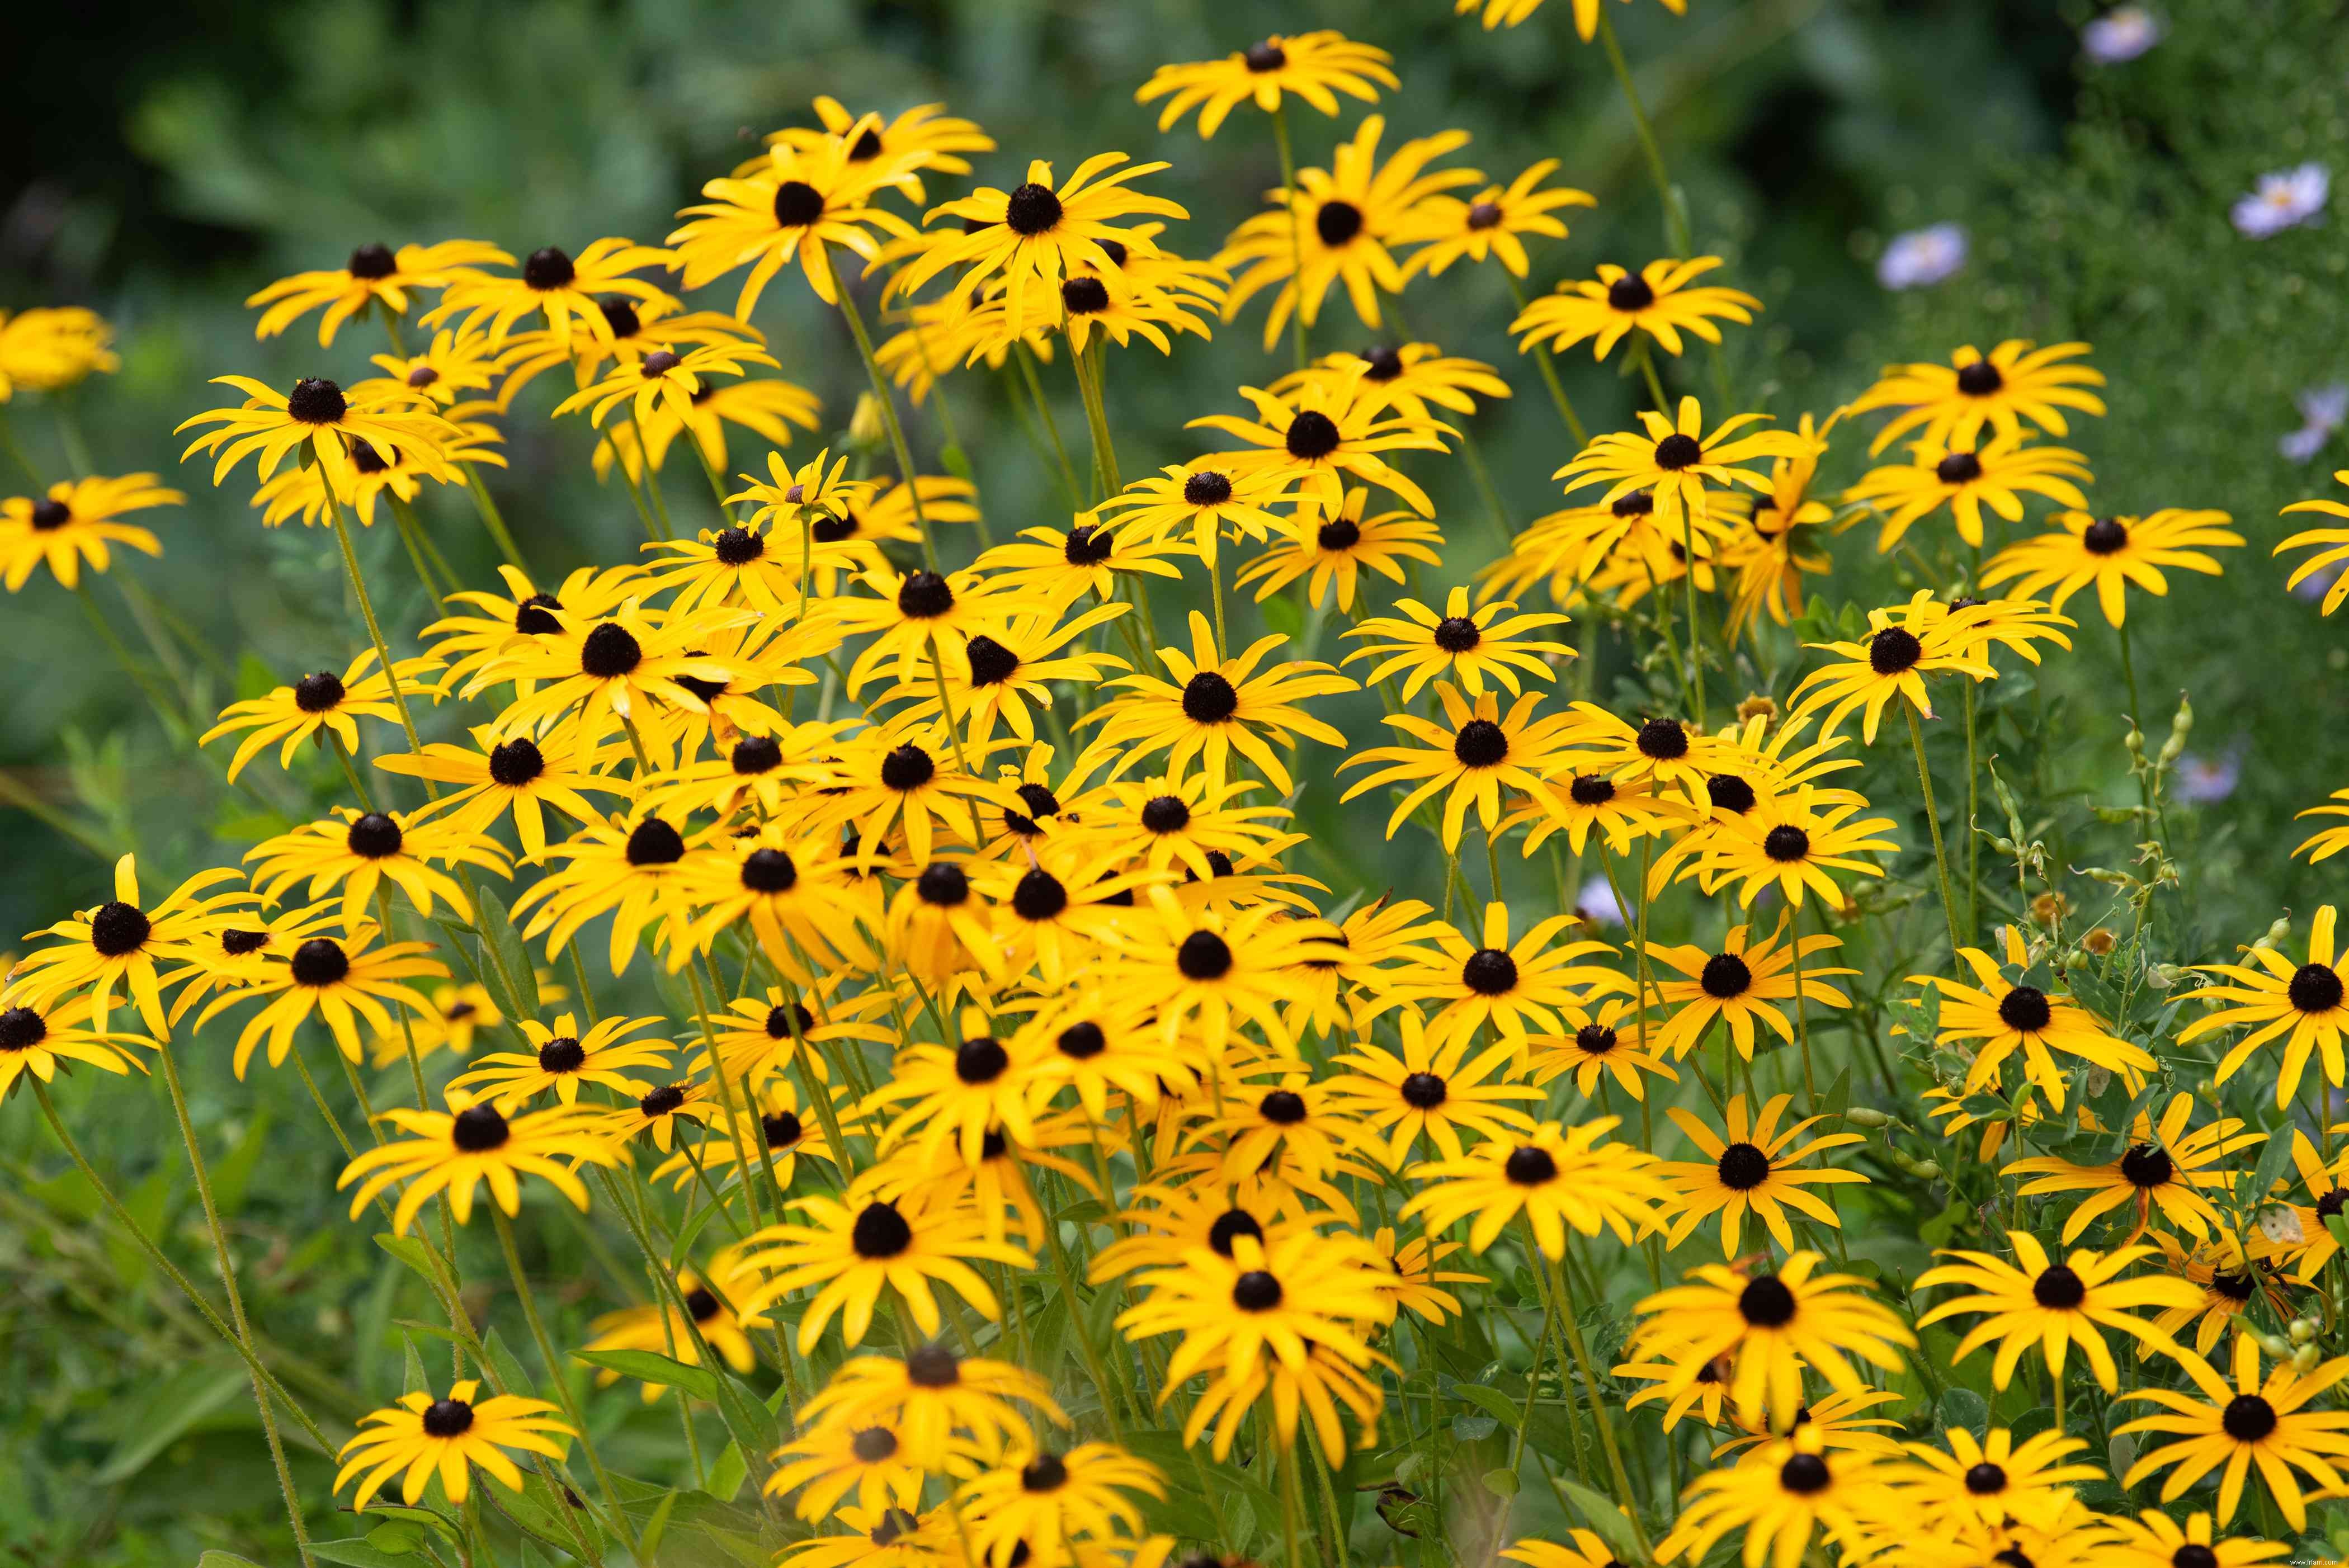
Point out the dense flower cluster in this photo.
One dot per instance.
(1001, 1025)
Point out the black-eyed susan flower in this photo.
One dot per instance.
(71, 525)
(458, 1150)
(1040, 230)
(495, 778)
(373, 272)
(2165, 1167)
(1007, 674)
(37, 1038)
(562, 1057)
(271, 425)
(2154, 1540)
(923, 136)
(876, 1538)
(1160, 821)
(1052, 905)
(1097, 1045)
(1468, 759)
(340, 983)
(523, 613)
(794, 893)
(1207, 497)
(1086, 304)
(1510, 12)
(2033, 1303)
(1295, 1130)
(905, 781)
(1339, 225)
(1783, 1497)
(855, 1249)
(1213, 707)
(917, 615)
(2299, 1008)
(2251, 1419)
(1406, 376)
(794, 205)
(658, 1114)
(1742, 982)
(2110, 553)
(616, 666)
(1840, 1422)
(958, 1091)
(424, 1437)
(2014, 383)
(2231, 1283)
(1754, 1165)
(1419, 1275)
(561, 288)
(1433, 1090)
(1658, 300)
(663, 381)
(357, 851)
(1040, 1500)
(628, 868)
(1464, 644)
(835, 1458)
(1793, 843)
(51, 348)
(115, 945)
(1771, 1326)
(665, 1330)
(375, 471)
(1314, 67)
(1555, 1176)
(777, 1128)
(1674, 460)
(1611, 1044)
(1331, 547)
(1064, 566)
(1312, 1388)
(1997, 474)
(1905, 643)
(1518, 989)
(319, 700)
(1579, 802)
(1328, 430)
(1474, 227)
(930, 1397)
(1999, 1016)
(1206, 972)
(1274, 1297)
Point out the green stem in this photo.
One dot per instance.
(1548, 364)
(494, 520)
(179, 728)
(1933, 819)
(1295, 232)
(726, 1093)
(1675, 218)
(17, 795)
(881, 396)
(1051, 427)
(554, 1369)
(1088, 367)
(1974, 804)
(375, 628)
(1623, 1493)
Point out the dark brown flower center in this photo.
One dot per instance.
(1031, 211)
(1742, 1167)
(1630, 294)
(1767, 1303)
(1312, 435)
(1978, 379)
(315, 401)
(1677, 451)
(1725, 976)
(1209, 698)
(1481, 743)
(797, 204)
(1337, 223)
(2025, 1010)
(2058, 1288)
(1894, 651)
(881, 1233)
(1489, 972)
(2105, 536)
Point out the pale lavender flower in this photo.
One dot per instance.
(2123, 33)
(2305, 442)
(2285, 200)
(1595, 903)
(2322, 411)
(2319, 583)
(2207, 780)
(1923, 256)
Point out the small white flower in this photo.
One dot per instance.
(2285, 199)
(1923, 256)
(1595, 903)
(2123, 33)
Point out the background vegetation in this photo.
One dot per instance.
(163, 165)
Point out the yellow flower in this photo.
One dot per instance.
(458, 1150)
(317, 414)
(2112, 553)
(1997, 474)
(2014, 383)
(1487, 224)
(1315, 67)
(1040, 230)
(73, 523)
(375, 272)
(1656, 300)
(48, 349)
(561, 288)
(797, 204)
(2333, 547)
(445, 1437)
(1674, 460)
(1510, 12)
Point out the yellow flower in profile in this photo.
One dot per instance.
(302, 491)
(272, 425)
(1905, 643)
(2331, 546)
(922, 138)
(1339, 225)
(1315, 67)
(374, 273)
(1674, 460)
(663, 382)
(319, 700)
(338, 983)
(73, 523)
(1997, 474)
(2013, 383)
(447, 1437)
(1453, 228)
(1656, 300)
(37, 1037)
(664, 1330)
(1510, 12)
(2111, 553)
(52, 347)
(2326, 842)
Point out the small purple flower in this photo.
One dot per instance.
(2285, 200)
(2123, 33)
(1923, 256)
(2304, 443)
(2319, 583)
(2207, 780)
(1595, 903)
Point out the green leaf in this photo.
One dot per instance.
(501, 1362)
(748, 1422)
(2270, 1168)
(726, 1476)
(1501, 1481)
(1281, 616)
(649, 1539)
(171, 1408)
(396, 1536)
(232, 1175)
(1964, 1407)
(1493, 1402)
(410, 1250)
(1604, 1517)
(650, 1366)
(360, 1553)
(1839, 1093)
(506, 967)
(956, 462)
(225, 1560)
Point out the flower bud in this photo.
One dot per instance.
(2304, 1360)
(1864, 1115)
(2301, 1330)
(864, 427)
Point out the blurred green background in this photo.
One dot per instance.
(161, 163)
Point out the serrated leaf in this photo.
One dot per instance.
(650, 1366)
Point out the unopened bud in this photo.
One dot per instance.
(1931, 1171)
(2162, 976)
(2276, 932)
(2275, 1346)
(1863, 1116)
(2304, 1360)
(864, 427)
(2301, 1330)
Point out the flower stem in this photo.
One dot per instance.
(1052, 426)
(1675, 218)
(555, 1367)
(726, 1093)
(494, 520)
(1296, 231)
(1623, 1493)
(1974, 804)
(375, 629)
(1548, 364)
(1933, 819)
(1088, 367)
(888, 406)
